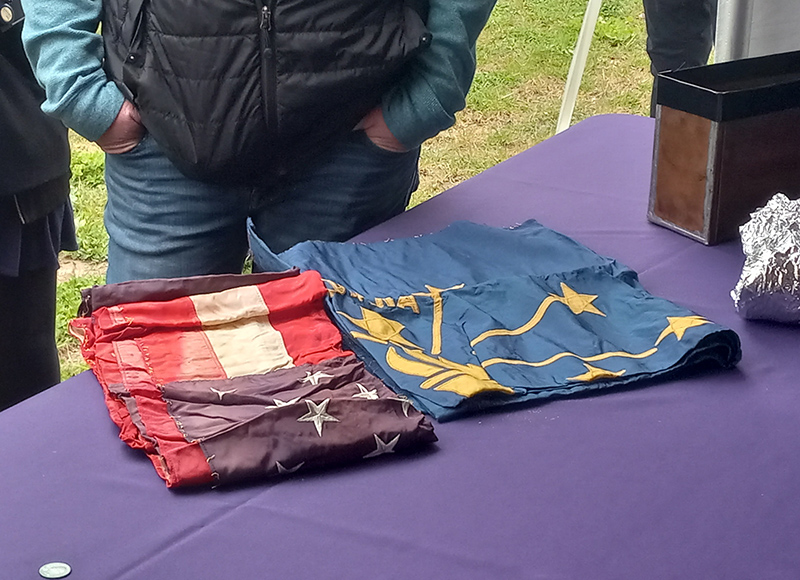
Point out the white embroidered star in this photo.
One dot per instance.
(382, 447)
(406, 402)
(314, 378)
(282, 469)
(277, 403)
(220, 394)
(318, 415)
(364, 393)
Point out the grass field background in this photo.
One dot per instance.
(523, 59)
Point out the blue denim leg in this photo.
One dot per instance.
(355, 185)
(162, 224)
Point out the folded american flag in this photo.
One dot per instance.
(225, 378)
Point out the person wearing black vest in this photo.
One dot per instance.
(35, 223)
(303, 116)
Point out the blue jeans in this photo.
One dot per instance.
(162, 224)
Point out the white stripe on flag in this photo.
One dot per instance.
(236, 323)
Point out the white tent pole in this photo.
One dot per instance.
(578, 64)
(734, 21)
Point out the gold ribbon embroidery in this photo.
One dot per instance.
(467, 380)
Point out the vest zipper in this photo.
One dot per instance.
(268, 69)
(19, 210)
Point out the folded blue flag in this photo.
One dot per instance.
(473, 316)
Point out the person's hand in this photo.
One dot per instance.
(124, 133)
(375, 128)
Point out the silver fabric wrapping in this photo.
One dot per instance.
(769, 287)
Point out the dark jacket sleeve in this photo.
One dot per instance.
(426, 100)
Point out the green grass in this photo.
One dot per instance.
(88, 199)
(69, 298)
(85, 267)
(523, 59)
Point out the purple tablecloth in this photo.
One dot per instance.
(694, 479)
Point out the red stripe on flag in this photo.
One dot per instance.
(296, 310)
(169, 335)
(177, 355)
(177, 461)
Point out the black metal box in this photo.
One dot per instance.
(727, 139)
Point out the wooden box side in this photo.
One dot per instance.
(680, 172)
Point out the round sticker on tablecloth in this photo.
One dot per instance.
(55, 570)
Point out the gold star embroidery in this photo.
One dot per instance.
(379, 328)
(576, 302)
(594, 373)
(677, 325)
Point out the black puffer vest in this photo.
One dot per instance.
(243, 90)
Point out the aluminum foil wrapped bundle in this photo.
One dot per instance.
(769, 287)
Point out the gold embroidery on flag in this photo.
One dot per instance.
(577, 303)
(555, 357)
(677, 325)
(594, 373)
(335, 287)
(438, 305)
(469, 379)
(444, 375)
(408, 302)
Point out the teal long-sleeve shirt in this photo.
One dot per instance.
(66, 52)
